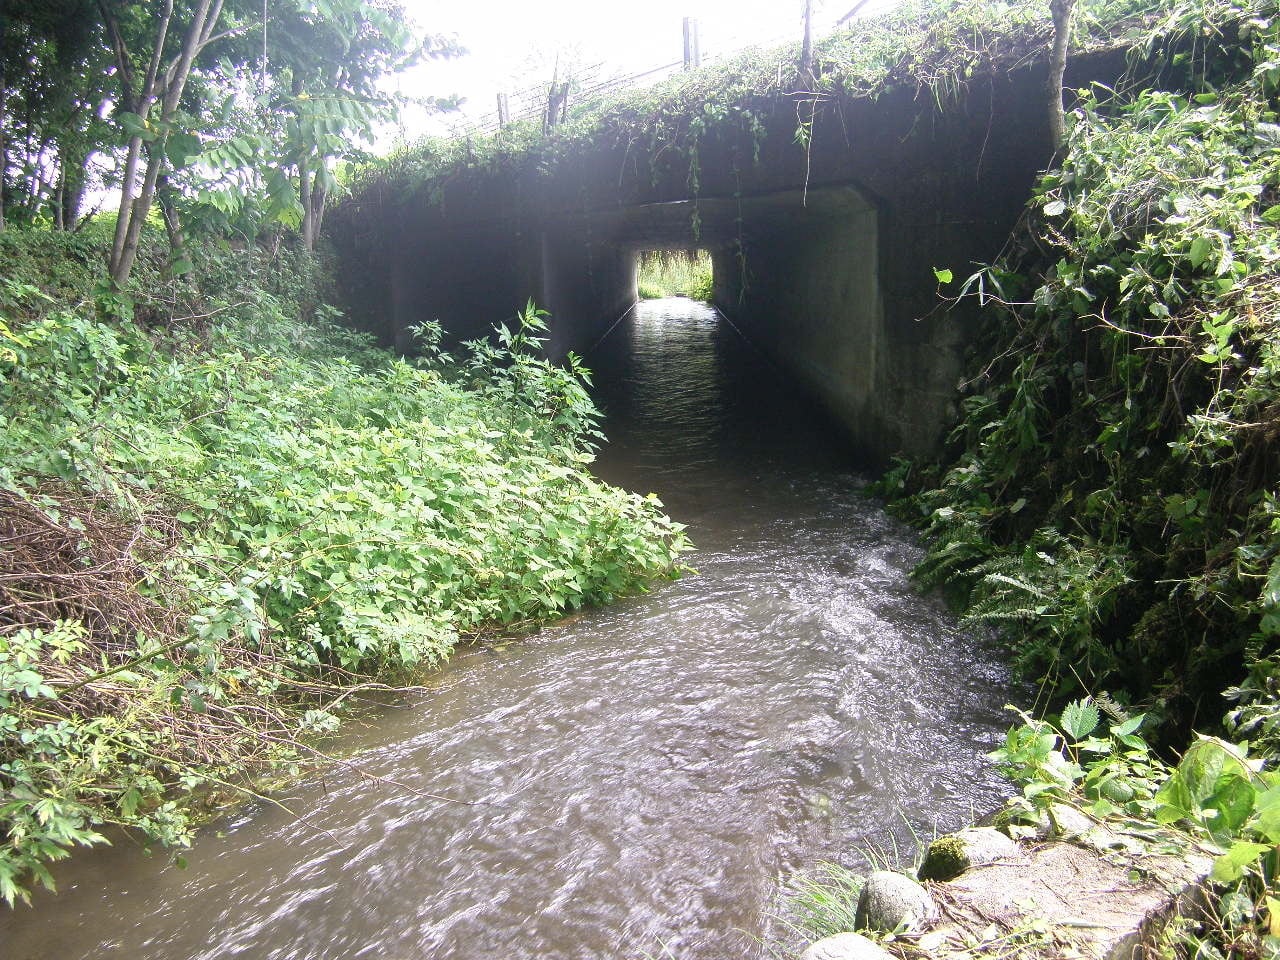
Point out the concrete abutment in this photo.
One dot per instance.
(824, 258)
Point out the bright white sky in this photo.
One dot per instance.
(513, 45)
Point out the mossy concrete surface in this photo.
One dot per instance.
(824, 253)
(1065, 900)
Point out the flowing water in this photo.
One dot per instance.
(646, 772)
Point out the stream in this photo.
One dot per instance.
(640, 778)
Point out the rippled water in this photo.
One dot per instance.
(644, 774)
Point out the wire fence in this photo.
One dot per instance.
(535, 102)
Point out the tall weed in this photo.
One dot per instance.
(307, 512)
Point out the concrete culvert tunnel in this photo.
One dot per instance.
(824, 257)
(799, 272)
(799, 275)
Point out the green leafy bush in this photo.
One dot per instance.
(1108, 498)
(1103, 764)
(217, 527)
(1218, 800)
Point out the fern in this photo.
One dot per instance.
(959, 548)
(1058, 592)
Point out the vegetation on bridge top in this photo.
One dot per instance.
(934, 47)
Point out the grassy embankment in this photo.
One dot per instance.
(222, 516)
(1109, 499)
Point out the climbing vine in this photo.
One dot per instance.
(1110, 498)
(934, 47)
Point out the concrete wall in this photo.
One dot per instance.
(840, 242)
(812, 300)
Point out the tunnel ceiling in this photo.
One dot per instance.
(711, 221)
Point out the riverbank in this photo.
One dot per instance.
(1108, 501)
(223, 513)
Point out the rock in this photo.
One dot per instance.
(1067, 822)
(953, 854)
(1088, 905)
(1074, 825)
(892, 903)
(845, 946)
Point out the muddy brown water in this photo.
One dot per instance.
(651, 771)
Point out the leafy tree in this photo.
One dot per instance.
(151, 103)
(309, 100)
(330, 59)
(53, 85)
(234, 110)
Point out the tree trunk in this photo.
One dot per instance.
(138, 102)
(59, 194)
(806, 47)
(304, 198)
(166, 196)
(73, 180)
(1061, 11)
(134, 210)
(4, 99)
(319, 197)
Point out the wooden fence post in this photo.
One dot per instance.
(692, 53)
(806, 48)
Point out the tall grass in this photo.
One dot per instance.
(674, 273)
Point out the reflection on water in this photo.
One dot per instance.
(641, 775)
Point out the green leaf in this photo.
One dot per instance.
(1271, 601)
(1272, 214)
(182, 148)
(1231, 865)
(1201, 250)
(1233, 802)
(943, 275)
(129, 801)
(1079, 719)
(1212, 785)
(1267, 808)
(1129, 726)
(135, 126)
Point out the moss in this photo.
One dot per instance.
(933, 45)
(946, 859)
